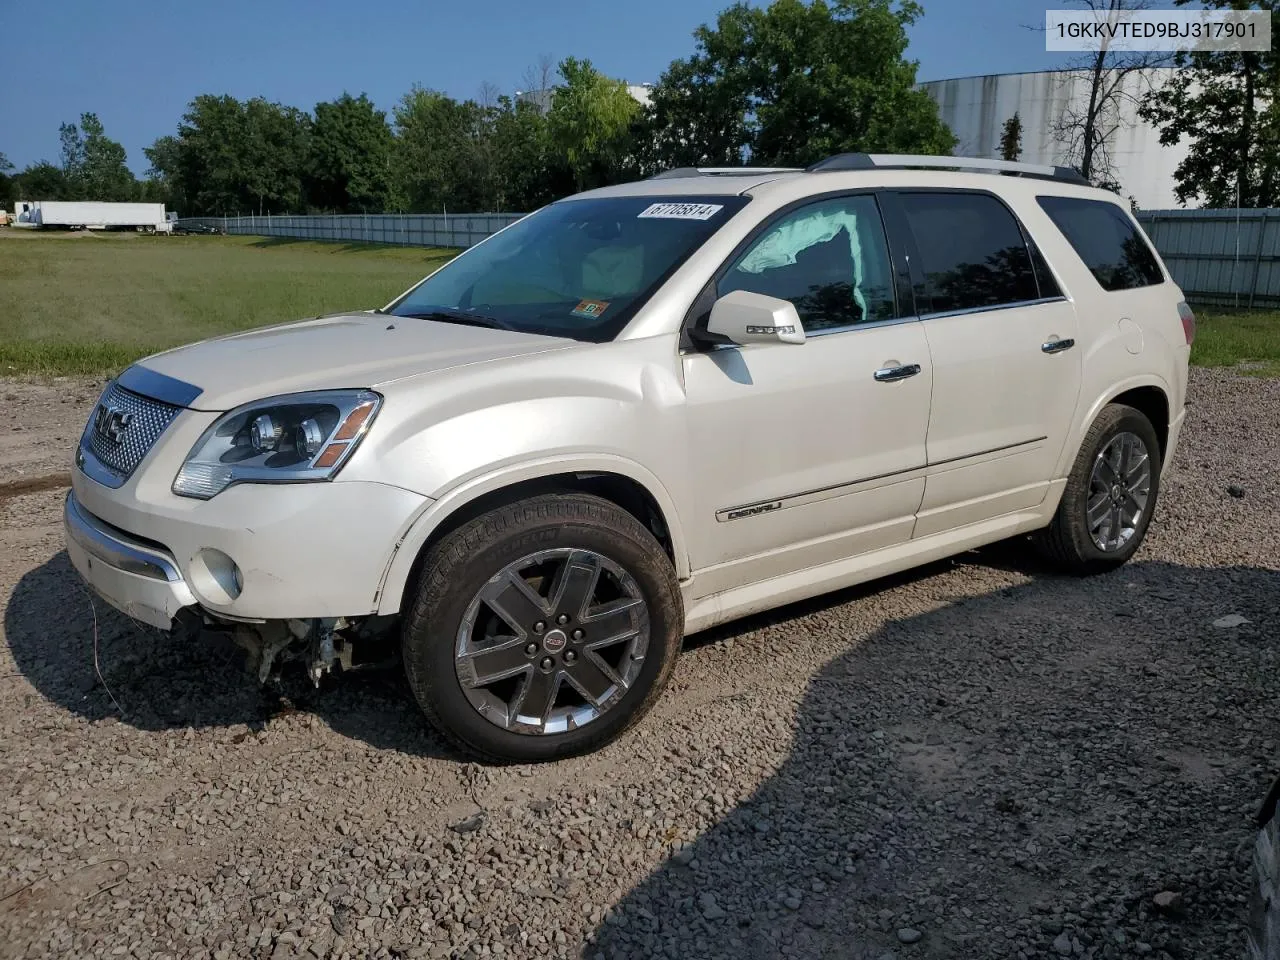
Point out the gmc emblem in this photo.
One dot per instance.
(110, 422)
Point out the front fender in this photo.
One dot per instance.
(438, 511)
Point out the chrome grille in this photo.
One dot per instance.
(123, 428)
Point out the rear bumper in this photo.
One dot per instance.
(136, 578)
(1175, 433)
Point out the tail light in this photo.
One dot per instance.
(1188, 322)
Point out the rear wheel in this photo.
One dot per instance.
(1110, 494)
(542, 629)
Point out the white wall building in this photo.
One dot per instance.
(976, 108)
(640, 92)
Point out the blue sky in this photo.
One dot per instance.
(137, 63)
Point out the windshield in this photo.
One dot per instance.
(578, 268)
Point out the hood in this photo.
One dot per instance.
(348, 350)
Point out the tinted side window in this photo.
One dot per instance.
(971, 250)
(1106, 240)
(829, 258)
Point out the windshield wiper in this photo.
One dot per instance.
(446, 315)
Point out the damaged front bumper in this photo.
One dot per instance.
(140, 579)
(144, 581)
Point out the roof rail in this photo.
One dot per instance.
(890, 161)
(678, 172)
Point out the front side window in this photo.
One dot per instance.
(830, 259)
(971, 250)
(578, 268)
(1106, 241)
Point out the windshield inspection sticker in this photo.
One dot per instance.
(590, 308)
(681, 211)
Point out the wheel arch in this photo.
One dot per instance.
(622, 482)
(1147, 394)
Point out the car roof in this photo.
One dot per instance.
(862, 171)
(695, 184)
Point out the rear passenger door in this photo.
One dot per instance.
(1006, 368)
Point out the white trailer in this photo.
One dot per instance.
(98, 215)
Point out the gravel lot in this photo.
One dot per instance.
(976, 760)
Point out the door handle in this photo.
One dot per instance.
(893, 374)
(1057, 346)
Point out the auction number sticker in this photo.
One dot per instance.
(681, 211)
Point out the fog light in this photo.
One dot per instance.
(214, 577)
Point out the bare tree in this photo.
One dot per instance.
(487, 95)
(538, 79)
(1114, 80)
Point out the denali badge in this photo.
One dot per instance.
(739, 512)
(110, 422)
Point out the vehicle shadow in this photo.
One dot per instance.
(429, 254)
(56, 631)
(1014, 774)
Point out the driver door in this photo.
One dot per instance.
(809, 453)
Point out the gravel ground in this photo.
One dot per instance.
(976, 760)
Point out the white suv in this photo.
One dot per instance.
(642, 411)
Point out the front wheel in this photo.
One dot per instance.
(1109, 497)
(543, 628)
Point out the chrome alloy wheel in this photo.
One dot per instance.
(1119, 491)
(552, 641)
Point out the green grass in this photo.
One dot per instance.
(75, 304)
(1249, 340)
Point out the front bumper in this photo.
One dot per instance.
(136, 578)
(299, 551)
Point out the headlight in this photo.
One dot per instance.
(292, 439)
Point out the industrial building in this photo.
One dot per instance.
(640, 92)
(976, 108)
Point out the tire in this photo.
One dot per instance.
(453, 637)
(1069, 541)
(1264, 905)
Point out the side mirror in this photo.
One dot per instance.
(744, 317)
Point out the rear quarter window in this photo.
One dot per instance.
(1106, 240)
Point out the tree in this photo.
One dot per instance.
(103, 173)
(435, 151)
(1011, 138)
(209, 164)
(276, 146)
(793, 83)
(42, 181)
(7, 185)
(164, 179)
(350, 156)
(529, 171)
(590, 122)
(72, 153)
(1225, 103)
(538, 81)
(1112, 81)
(231, 157)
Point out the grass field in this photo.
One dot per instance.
(1247, 338)
(92, 303)
(75, 303)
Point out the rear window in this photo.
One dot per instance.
(972, 251)
(1106, 240)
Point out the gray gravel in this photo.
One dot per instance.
(975, 760)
